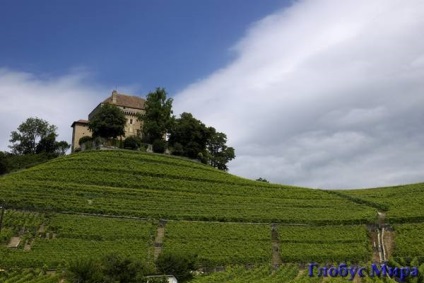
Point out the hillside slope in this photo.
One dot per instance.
(158, 186)
(91, 204)
(401, 203)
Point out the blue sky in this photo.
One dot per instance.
(144, 44)
(316, 93)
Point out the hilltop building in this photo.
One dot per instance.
(131, 105)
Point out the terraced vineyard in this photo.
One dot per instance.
(324, 243)
(402, 203)
(91, 204)
(409, 240)
(154, 186)
(74, 236)
(28, 276)
(220, 243)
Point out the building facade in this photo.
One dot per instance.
(130, 105)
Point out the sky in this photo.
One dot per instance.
(316, 93)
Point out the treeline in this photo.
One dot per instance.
(33, 142)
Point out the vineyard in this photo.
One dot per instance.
(154, 186)
(28, 276)
(93, 204)
(324, 243)
(409, 240)
(402, 203)
(220, 243)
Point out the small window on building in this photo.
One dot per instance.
(131, 121)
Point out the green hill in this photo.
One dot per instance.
(93, 203)
(157, 186)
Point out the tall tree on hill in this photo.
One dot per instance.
(219, 154)
(108, 122)
(30, 134)
(189, 137)
(158, 118)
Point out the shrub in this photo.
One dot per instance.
(132, 142)
(159, 146)
(84, 139)
(178, 149)
(178, 265)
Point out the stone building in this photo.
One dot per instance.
(131, 105)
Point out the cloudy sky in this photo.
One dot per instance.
(316, 93)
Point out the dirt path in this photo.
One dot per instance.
(389, 241)
(276, 256)
(160, 234)
(382, 239)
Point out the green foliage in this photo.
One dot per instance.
(68, 237)
(260, 273)
(219, 154)
(260, 179)
(217, 244)
(189, 135)
(84, 270)
(159, 186)
(30, 134)
(179, 265)
(116, 268)
(132, 142)
(324, 243)
(191, 138)
(47, 144)
(28, 276)
(409, 240)
(158, 118)
(62, 147)
(4, 165)
(11, 162)
(159, 146)
(108, 122)
(84, 139)
(402, 204)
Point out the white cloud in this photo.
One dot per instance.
(59, 100)
(326, 93)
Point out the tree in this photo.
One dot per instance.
(108, 122)
(4, 167)
(26, 139)
(189, 136)
(47, 144)
(260, 179)
(157, 118)
(177, 264)
(219, 154)
(62, 147)
(117, 268)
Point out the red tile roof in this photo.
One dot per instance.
(126, 101)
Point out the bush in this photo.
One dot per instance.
(132, 142)
(178, 265)
(84, 270)
(159, 146)
(111, 268)
(85, 139)
(178, 149)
